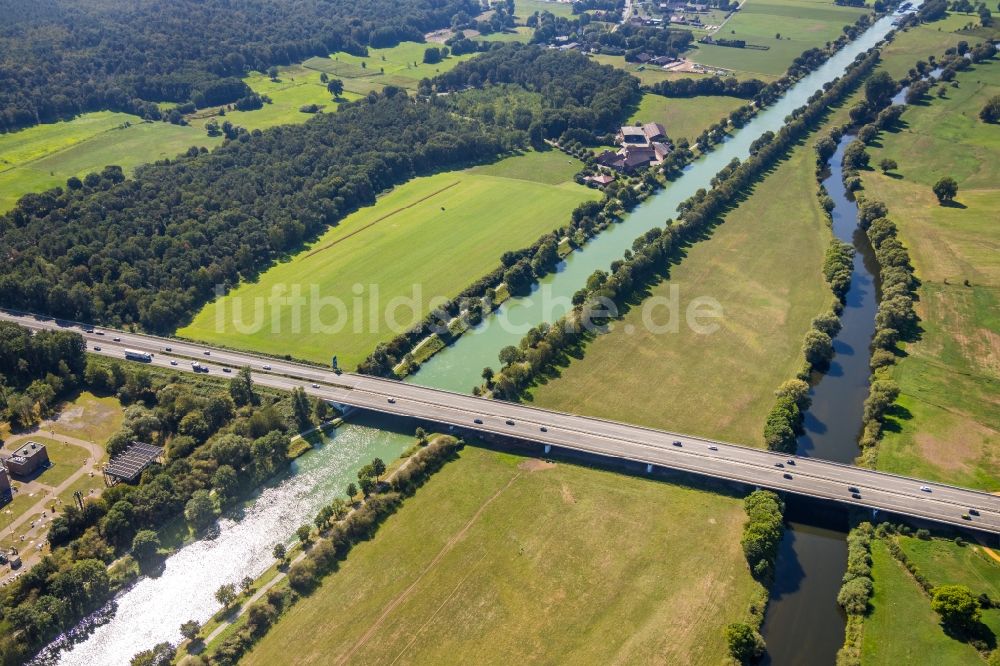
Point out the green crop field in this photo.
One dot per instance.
(801, 24)
(44, 156)
(501, 558)
(295, 87)
(901, 627)
(525, 8)
(941, 433)
(762, 265)
(401, 65)
(946, 563)
(685, 117)
(435, 234)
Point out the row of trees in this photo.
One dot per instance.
(153, 249)
(60, 59)
(761, 536)
(856, 590)
(216, 451)
(711, 85)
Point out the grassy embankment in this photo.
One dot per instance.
(901, 626)
(685, 117)
(762, 265)
(440, 232)
(947, 424)
(503, 558)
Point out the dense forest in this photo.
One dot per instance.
(60, 58)
(36, 370)
(152, 249)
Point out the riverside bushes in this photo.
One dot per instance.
(762, 532)
(856, 591)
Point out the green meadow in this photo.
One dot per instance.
(401, 65)
(901, 627)
(762, 266)
(947, 424)
(44, 156)
(685, 117)
(295, 87)
(506, 559)
(525, 8)
(437, 234)
(786, 27)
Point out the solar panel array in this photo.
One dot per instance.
(130, 463)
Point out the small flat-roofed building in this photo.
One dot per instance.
(27, 459)
(129, 464)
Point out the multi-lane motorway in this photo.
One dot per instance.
(803, 476)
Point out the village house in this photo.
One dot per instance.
(641, 145)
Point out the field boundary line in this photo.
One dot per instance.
(390, 214)
(405, 594)
(14, 167)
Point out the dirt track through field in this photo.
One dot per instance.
(389, 214)
(405, 594)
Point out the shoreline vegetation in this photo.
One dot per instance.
(221, 440)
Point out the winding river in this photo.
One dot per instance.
(153, 610)
(803, 621)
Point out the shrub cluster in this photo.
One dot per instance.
(856, 591)
(762, 532)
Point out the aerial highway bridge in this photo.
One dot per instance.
(811, 477)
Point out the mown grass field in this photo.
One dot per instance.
(802, 24)
(295, 87)
(502, 559)
(762, 265)
(44, 156)
(685, 117)
(435, 234)
(948, 426)
(901, 627)
(525, 8)
(649, 75)
(401, 65)
(89, 417)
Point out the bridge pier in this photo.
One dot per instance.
(649, 468)
(548, 448)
